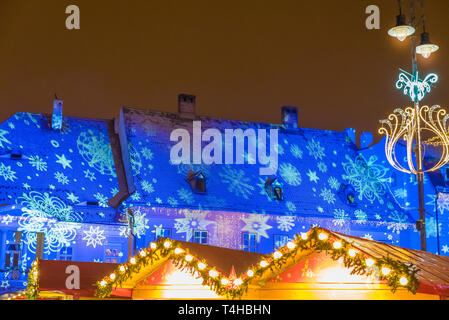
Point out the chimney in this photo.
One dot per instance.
(56, 120)
(290, 116)
(186, 106)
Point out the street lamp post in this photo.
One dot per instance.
(408, 124)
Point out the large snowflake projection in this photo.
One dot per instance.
(134, 158)
(296, 151)
(94, 236)
(140, 225)
(290, 174)
(315, 149)
(38, 163)
(340, 217)
(399, 221)
(257, 224)
(236, 181)
(431, 227)
(7, 173)
(186, 195)
(96, 150)
(442, 202)
(360, 215)
(366, 177)
(400, 193)
(285, 223)
(53, 207)
(327, 195)
(193, 220)
(57, 234)
(102, 199)
(3, 140)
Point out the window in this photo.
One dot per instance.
(197, 181)
(112, 254)
(162, 233)
(273, 189)
(249, 242)
(200, 236)
(280, 240)
(65, 254)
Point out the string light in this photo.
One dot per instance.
(337, 245)
(291, 245)
(385, 271)
(213, 273)
(188, 258)
(167, 244)
(143, 253)
(238, 281)
(369, 262)
(403, 281)
(352, 252)
(112, 276)
(250, 273)
(201, 266)
(322, 236)
(178, 251)
(122, 268)
(153, 245)
(304, 236)
(224, 281)
(103, 283)
(277, 254)
(132, 260)
(263, 263)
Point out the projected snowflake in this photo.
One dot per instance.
(53, 207)
(285, 223)
(57, 234)
(3, 140)
(96, 150)
(186, 195)
(94, 236)
(327, 195)
(38, 163)
(7, 173)
(398, 222)
(296, 151)
(147, 186)
(340, 217)
(61, 178)
(315, 149)
(257, 223)
(360, 215)
(333, 183)
(134, 158)
(366, 177)
(290, 174)
(140, 225)
(431, 227)
(192, 220)
(236, 181)
(147, 153)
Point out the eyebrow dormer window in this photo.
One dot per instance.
(273, 189)
(197, 181)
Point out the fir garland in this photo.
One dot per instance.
(396, 273)
(32, 291)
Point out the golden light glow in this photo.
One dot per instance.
(238, 281)
(224, 281)
(337, 244)
(143, 253)
(277, 254)
(250, 273)
(304, 236)
(153, 245)
(352, 252)
(322, 236)
(426, 49)
(132, 260)
(213, 273)
(403, 281)
(122, 268)
(167, 244)
(291, 245)
(201, 266)
(263, 263)
(188, 258)
(178, 251)
(112, 276)
(385, 271)
(401, 32)
(369, 262)
(402, 124)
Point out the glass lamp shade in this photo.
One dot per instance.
(426, 48)
(401, 30)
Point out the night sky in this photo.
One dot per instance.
(242, 59)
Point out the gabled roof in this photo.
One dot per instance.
(313, 169)
(417, 271)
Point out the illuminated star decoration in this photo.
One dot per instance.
(63, 161)
(257, 223)
(94, 236)
(415, 88)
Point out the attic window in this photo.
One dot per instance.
(197, 181)
(273, 189)
(348, 194)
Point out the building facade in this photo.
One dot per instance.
(80, 189)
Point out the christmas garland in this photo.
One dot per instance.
(396, 273)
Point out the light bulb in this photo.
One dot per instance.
(304, 236)
(224, 281)
(213, 273)
(167, 244)
(277, 255)
(132, 260)
(352, 253)
(322, 236)
(112, 276)
(143, 253)
(337, 245)
(263, 263)
(369, 262)
(153, 245)
(178, 251)
(238, 281)
(122, 268)
(201, 266)
(385, 271)
(291, 245)
(188, 258)
(403, 281)
(250, 273)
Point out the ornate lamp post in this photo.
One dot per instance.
(410, 123)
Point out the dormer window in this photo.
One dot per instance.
(197, 181)
(347, 192)
(273, 189)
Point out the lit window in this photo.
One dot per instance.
(249, 242)
(273, 189)
(162, 233)
(112, 254)
(200, 236)
(65, 254)
(197, 181)
(280, 240)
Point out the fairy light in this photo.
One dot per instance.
(291, 245)
(103, 283)
(369, 262)
(337, 244)
(178, 251)
(277, 254)
(201, 266)
(153, 245)
(167, 244)
(213, 273)
(224, 281)
(385, 271)
(112, 276)
(304, 236)
(250, 273)
(122, 268)
(352, 252)
(132, 260)
(403, 281)
(143, 253)
(263, 263)
(322, 236)
(188, 258)
(238, 282)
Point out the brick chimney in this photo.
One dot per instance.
(186, 105)
(290, 116)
